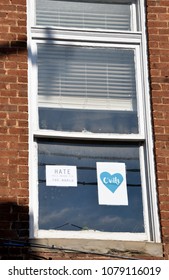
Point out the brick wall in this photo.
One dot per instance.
(14, 121)
(13, 124)
(158, 43)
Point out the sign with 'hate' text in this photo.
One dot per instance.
(61, 175)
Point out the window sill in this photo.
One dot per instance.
(116, 248)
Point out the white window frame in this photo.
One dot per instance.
(135, 40)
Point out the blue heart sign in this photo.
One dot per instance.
(112, 182)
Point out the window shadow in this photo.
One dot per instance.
(13, 47)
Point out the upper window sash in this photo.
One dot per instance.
(86, 15)
(139, 89)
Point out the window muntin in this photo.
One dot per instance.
(97, 84)
(93, 14)
(77, 208)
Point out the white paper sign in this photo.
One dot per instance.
(61, 175)
(112, 188)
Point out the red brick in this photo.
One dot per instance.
(165, 215)
(164, 191)
(164, 3)
(18, 2)
(18, 30)
(160, 24)
(165, 207)
(156, 10)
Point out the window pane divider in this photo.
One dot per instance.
(85, 135)
(87, 35)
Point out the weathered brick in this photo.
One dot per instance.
(159, 57)
(13, 76)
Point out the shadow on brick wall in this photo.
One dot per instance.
(14, 219)
(14, 234)
(14, 231)
(13, 47)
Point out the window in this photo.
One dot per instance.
(89, 103)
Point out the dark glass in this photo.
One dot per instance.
(88, 120)
(77, 208)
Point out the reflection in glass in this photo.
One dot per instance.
(88, 120)
(76, 208)
(87, 88)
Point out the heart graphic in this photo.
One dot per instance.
(112, 182)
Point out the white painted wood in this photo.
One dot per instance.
(153, 202)
(91, 234)
(92, 36)
(88, 135)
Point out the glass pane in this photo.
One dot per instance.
(77, 208)
(88, 121)
(83, 14)
(91, 80)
